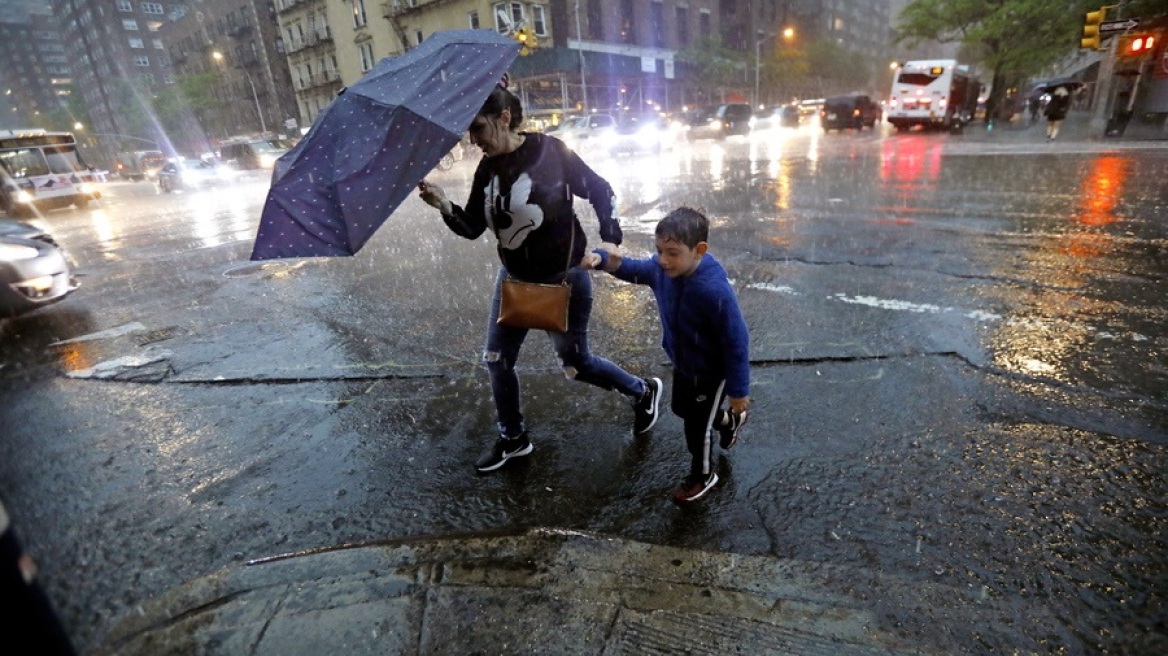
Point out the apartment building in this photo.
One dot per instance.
(36, 79)
(240, 44)
(116, 53)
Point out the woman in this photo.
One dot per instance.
(523, 191)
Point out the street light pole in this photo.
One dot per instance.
(758, 63)
(256, 98)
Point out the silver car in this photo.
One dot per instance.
(191, 174)
(35, 271)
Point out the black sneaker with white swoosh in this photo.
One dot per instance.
(504, 450)
(648, 407)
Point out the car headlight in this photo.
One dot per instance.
(86, 188)
(716, 124)
(16, 252)
(23, 196)
(267, 161)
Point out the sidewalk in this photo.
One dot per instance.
(546, 592)
(1076, 127)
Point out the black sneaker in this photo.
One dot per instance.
(648, 407)
(728, 435)
(504, 450)
(693, 487)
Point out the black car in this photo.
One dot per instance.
(720, 122)
(851, 111)
(34, 270)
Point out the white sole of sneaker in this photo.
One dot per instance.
(506, 456)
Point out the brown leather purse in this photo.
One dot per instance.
(540, 306)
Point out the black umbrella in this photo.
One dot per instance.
(1070, 84)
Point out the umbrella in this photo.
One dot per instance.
(1067, 83)
(369, 148)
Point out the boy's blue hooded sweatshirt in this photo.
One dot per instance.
(702, 329)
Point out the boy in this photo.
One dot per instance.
(703, 333)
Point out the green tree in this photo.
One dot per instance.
(188, 111)
(711, 65)
(1012, 39)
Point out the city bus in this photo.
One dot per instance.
(41, 170)
(933, 93)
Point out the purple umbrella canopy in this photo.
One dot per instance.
(378, 138)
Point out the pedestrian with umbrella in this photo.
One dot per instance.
(1056, 111)
(523, 192)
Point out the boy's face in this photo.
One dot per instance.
(677, 259)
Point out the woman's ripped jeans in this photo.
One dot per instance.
(502, 352)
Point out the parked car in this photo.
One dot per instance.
(191, 174)
(583, 133)
(35, 270)
(852, 111)
(720, 122)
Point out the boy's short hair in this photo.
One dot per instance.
(684, 225)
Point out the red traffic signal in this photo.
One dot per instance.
(1135, 45)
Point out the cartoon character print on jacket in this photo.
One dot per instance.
(512, 213)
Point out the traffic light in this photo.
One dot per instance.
(1091, 20)
(526, 37)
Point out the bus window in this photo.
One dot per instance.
(63, 159)
(916, 79)
(24, 162)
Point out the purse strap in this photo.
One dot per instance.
(571, 247)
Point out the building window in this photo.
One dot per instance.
(130, 24)
(142, 61)
(137, 43)
(538, 20)
(682, 27)
(158, 44)
(152, 8)
(657, 23)
(628, 23)
(705, 31)
(595, 21)
(366, 52)
(472, 20)
(837, 24)
(518, 13)
(499, 11)
(418, 37)
(125, 5)
(359, 17)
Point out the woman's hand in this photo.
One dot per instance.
(434, 196)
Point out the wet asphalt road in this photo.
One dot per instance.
(958, 362)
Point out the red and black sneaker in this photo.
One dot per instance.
(693, 487)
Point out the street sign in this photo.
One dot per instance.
(1124, 25)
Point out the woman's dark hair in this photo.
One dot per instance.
(499, 100)
(684, 225)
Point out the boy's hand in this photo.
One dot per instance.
(590, 261)
(740, 404)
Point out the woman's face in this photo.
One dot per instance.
(490, 132)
